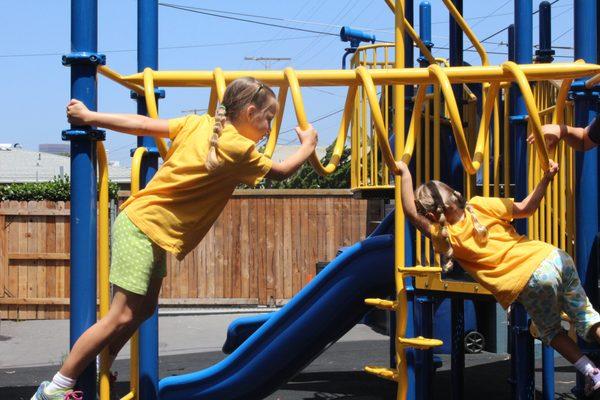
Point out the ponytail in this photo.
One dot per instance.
(212, 160)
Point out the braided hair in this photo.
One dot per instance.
(239, 94)
(434, 197)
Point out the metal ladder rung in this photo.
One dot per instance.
(419, 270)
(420, 342)
(382, 304)
(382, 372)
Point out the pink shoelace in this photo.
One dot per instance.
(75, 395)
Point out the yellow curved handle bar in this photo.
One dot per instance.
(534, 116)
(153, 109)
(338, 149)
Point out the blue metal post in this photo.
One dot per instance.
(148, 57)
(522, 342)
(83, 60)
(424, 359)
(455, 180)
(454, 169)
(425, 29)
(586, 173)
(544, 55)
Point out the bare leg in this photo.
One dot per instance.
(148, 307)
(123, 311)
(566, 347)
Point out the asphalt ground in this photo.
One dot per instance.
(335, 374)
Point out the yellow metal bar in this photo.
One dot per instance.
(414, 131)
(395, 76)
(274, 134)
(398, 102)
(506, 147)
(116, 77)
(497, 149)
(103, 263)
(153, 109)
(338, 149)
(467, 30)
(534, 117)
(136, 164)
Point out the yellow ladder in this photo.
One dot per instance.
(400, 307)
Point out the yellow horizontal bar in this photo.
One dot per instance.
(420, 342)
(435, 283)
(116, 77)
(385, 373)
(419, 271)
(382, 304)
(490, 74)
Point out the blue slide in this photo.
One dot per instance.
(288, 340)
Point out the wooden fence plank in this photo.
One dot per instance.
(263, 248)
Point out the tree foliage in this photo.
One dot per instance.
(57, 189)
(307, 178)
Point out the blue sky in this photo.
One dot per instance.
(36, 33)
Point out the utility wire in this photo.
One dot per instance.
(245, 20)
(296, 21)
(165, 47)
(506, 28)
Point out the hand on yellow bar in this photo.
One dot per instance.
(553, 133)
(552, 170)
(308, 136)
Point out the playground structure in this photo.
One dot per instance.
(492, 160)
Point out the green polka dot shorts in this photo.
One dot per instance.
(135, 259)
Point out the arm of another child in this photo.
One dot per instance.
(527, 207)
(581, 139)
(408, 201)
(79, 114)
(286, 168)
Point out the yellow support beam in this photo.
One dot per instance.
(390, 76)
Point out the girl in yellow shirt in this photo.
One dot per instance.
(478, 233)
(207, 159)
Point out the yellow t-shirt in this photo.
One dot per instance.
(183, 199)
(504, 263)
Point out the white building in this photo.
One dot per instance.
(20, 165)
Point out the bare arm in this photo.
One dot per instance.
(79, 114)
(408, 201)
(530, 204)
(286, 168)
(577, 138)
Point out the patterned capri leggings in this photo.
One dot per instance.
(555, 286)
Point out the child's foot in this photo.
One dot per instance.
(592, 382)
(67, 394)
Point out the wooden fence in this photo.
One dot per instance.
(262, 250)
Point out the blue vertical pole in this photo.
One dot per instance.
(425, 29)
(457, 323)
(523, 371)
(544, 55)
(83, 60)
(586, 164)
(424, 304)
(148, 57)
(409, 258)
(454, 168)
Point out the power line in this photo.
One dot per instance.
(506, 28)
(164, 47)
(296, 21)
(182, 8)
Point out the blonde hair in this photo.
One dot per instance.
(434, 197)
(239, 94)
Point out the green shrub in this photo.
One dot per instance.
(56, 190)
